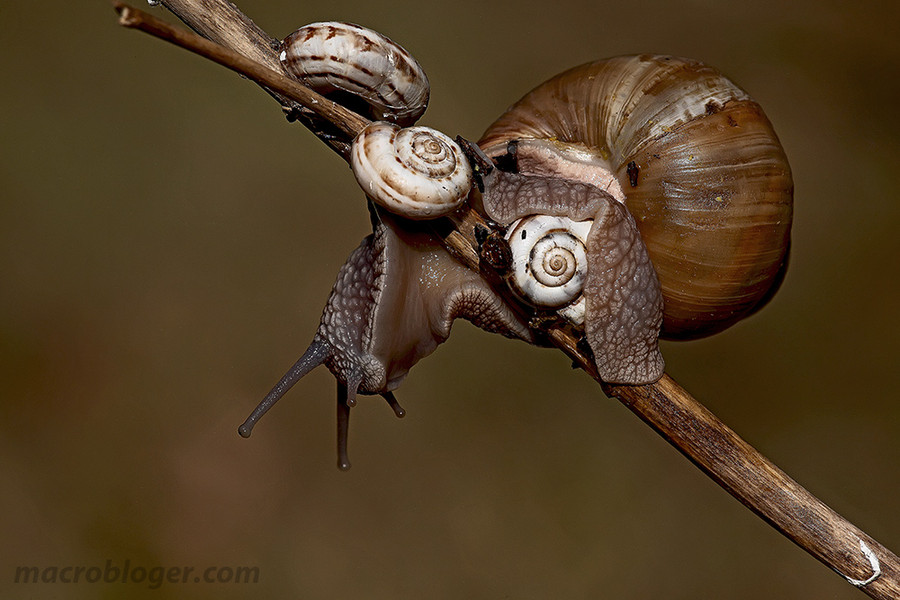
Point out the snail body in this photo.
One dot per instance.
(393, 302)
(635, 197)
(616, 298)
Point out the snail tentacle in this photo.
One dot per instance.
(393, 302)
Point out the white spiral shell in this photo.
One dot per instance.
(332, 56)
(550, 263)
(417, 172)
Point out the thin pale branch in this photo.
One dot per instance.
(665, 406)
(344, 123)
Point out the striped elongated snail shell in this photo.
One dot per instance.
(333, 56)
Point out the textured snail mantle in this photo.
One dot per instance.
(625, 200)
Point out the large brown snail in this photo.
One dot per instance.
(639, 196)
(695, 160)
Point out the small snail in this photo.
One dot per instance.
(549, 262)
(613, 292)
(638, 196)
(360, 63)
(416, 172)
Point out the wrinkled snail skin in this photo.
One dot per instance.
(416, 172)
(334, 56)
(393, 303)
(624, 308)
(622, 302)
(697, 162)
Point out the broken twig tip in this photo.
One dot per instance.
(126, 14)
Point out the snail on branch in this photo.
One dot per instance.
(639, 197)
(366, 69)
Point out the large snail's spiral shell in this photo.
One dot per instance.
(417, 172)
(334, 56)
(702, 171)
(549, 259)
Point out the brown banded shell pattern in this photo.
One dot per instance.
(703, 173)
(334, 56)
(416, 172)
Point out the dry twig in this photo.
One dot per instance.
(731, 462)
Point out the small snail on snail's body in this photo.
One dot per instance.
(637, 195)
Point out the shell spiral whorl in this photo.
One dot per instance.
(417, 172)
(556, 258)
(549, 258)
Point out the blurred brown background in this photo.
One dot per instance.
(168, 243)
